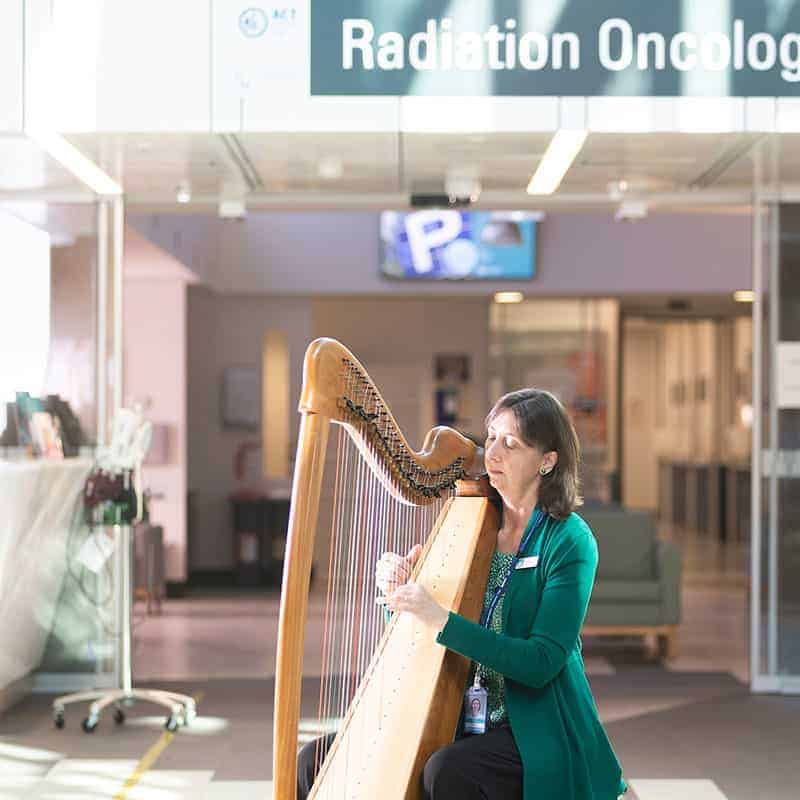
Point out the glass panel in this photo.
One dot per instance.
(47, 440)
(568, 347)
(787, 468)
(764, 246)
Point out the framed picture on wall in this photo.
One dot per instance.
(241, 398)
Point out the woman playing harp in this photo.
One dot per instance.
(542, 738)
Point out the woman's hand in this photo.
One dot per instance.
(413, 598)
(393, 570)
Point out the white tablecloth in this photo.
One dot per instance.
(38, 501)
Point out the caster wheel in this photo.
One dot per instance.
(171, 724)
(58, 720)
(89, 725)
(119, 716)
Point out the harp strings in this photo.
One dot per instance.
(366, 522)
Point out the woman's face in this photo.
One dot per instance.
(512, 464)
(476, 706)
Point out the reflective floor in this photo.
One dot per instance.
(688, 730)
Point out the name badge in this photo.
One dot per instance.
(476, 708)
(527, 563)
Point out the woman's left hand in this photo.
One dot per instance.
(413, 598)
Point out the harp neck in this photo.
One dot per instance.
(336, 386)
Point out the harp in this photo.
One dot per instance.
(390, 691)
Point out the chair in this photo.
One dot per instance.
(638, 585)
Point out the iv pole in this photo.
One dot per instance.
(182, 708)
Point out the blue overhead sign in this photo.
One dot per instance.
(555, 47)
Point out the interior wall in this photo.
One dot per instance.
(639, 409)
(396, 340)
(154, 376)
(392, 336)
(686, 387)
(337, 253)
(226, 331)
(71, 368)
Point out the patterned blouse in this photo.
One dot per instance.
(493, 681)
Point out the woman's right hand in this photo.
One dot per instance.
(393, 570)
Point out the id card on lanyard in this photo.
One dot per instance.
(476, 699)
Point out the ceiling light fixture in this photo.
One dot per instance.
(561, 152)
(508, 297)
(330, 168)
(83, 168)
(744, 296)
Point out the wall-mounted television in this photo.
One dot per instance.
(444, 244)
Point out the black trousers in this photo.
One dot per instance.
(485, 767)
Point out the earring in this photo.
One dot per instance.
(544, 471)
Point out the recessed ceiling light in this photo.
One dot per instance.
(508, 297)
(330, 168)
(744, 296)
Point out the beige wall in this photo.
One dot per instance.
(226, 331)
(639, 409)
(685, 383)
(71, 369)
(395, 339)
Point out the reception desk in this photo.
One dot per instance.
(39, 505)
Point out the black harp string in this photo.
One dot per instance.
(368, 521)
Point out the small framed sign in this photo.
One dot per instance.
(241, 398)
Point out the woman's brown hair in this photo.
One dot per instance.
(542, 422)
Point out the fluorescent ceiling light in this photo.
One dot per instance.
(183, 194)
(84, 169)
(508, 297)
(744, 296)
(561, 152)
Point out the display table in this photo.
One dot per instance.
(38, 505)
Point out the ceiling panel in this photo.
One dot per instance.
(146, 163)
(360, 165)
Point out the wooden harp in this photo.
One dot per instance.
(392, 694)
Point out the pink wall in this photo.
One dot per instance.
(155, 375)
(578, 254)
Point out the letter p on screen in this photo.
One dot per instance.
(427, 230)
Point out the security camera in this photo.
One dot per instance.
(437, 200)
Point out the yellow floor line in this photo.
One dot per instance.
(150, 758)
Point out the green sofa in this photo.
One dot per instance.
(638, 586)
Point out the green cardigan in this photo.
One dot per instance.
(565, 752)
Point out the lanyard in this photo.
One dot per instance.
(538, 521)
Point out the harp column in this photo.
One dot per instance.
(312, 444)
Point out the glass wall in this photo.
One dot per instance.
(570, 348)
(775, 591)
(784, 473)
(55, 341)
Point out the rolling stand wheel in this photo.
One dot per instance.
(119, 715)
(171, 724)
(89, 724)
(58, 719)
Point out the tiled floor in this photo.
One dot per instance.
(220, 635)
(689, 730)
